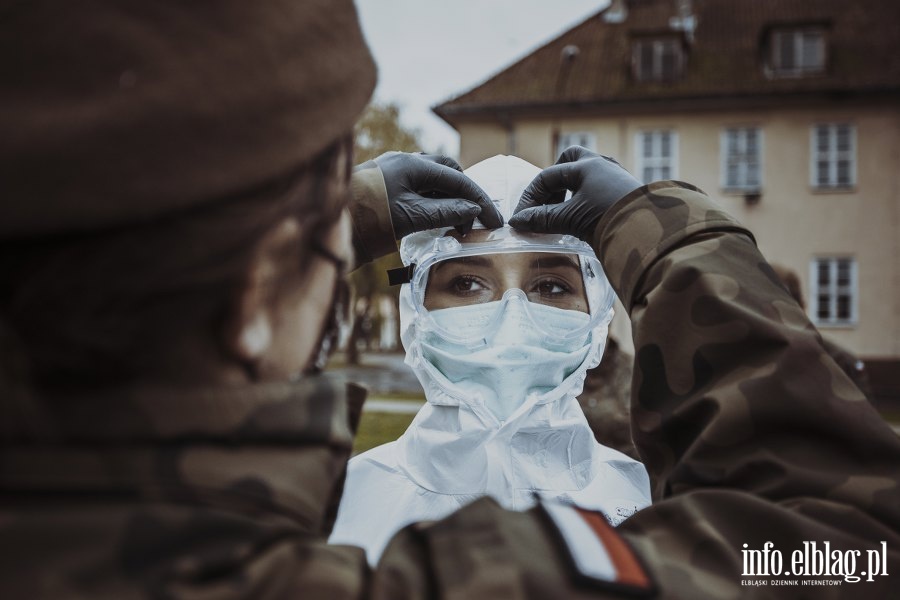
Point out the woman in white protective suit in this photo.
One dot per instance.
(500, 327)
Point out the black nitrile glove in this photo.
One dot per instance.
(597, 182)
(426, 191)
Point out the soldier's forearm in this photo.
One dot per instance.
(731, 387)
(750, 431)
(373, 234)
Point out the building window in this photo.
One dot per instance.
(741, 154)
(833, 156)
(797, 52)
(580, 138)
(658, 59)
(657, 155)
(834, 291)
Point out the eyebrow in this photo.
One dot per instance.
(552, 261)
(476, 261)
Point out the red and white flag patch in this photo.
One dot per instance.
(598, 553)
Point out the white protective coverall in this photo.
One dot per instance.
(457, 449)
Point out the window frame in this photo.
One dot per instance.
(657, 72)
(640, 159)
(834, 291)
(832, 157)
(797, 68)
(590, 136)
(742, 186)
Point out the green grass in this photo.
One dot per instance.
(891, 415)
(377, 428)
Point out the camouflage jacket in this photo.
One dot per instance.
(750, 432)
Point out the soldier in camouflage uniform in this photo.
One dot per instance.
(159, 446)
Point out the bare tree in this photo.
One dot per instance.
(379, 130)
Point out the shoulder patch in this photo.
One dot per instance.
(599, 555)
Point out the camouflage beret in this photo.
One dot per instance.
(118, 112)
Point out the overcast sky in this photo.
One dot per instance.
(428, 51)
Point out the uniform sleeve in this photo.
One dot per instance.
(749, 430)
(485, 552)
(373, 232)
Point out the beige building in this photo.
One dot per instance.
(786, 112)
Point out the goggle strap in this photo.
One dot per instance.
(401, 275)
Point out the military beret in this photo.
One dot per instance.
(112, 113)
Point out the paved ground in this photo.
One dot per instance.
(403, 407)
(383, 374)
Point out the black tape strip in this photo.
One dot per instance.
(400, 275)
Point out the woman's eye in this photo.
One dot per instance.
(552, 288)
(466, 284)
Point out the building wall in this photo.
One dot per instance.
(478, 141)
(792, 222)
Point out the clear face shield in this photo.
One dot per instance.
(501, 284)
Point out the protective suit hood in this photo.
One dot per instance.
(472, 437)
(503, 178)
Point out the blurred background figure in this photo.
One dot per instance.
(606, 399)
(846, 360)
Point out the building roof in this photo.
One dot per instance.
(724, 59)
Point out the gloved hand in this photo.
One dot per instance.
(426, 191)
(597, 182)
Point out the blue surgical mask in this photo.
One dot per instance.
(512, 361)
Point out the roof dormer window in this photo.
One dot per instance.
(797, 51)
(658, 59)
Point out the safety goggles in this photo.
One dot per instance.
(491, 268)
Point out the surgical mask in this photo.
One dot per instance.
(513, 363)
